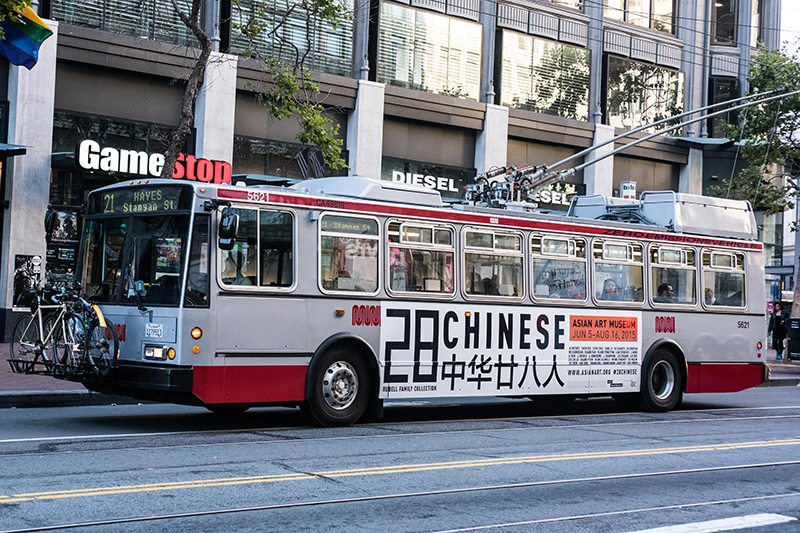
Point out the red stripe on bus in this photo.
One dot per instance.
(724, 377)
(475, 218)
(249, 384)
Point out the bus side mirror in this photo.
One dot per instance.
(228, 227)
(50, 220)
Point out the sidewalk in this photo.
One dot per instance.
(20, 390)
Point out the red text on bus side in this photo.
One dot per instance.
(120, 328)
(366, 315)
(665, 324)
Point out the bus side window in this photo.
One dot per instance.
(493, 264)
(348, 254)
(420, 258)
(276, 246)
(558, 267)
(618, 271)
(197, 287)
(673, 275)
(239, 265)
(723, 279)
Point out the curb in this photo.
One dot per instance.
(60, 399)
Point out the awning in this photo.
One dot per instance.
(9, 150)
(701, 143)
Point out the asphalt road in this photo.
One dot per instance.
(498, 465)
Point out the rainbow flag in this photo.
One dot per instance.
(23, 39)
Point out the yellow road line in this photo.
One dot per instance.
(386, 470)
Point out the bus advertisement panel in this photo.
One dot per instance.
(478, 350)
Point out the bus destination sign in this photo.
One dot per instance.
(141, 200)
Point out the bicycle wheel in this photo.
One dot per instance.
(66, 344)
(25, 345)
(102, 347)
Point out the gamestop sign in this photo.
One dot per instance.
(91, 156)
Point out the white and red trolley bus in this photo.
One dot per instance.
(337, 293)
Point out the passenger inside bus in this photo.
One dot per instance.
(666, 294)
(709, 297)
(610, 291)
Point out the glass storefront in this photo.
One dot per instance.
(289, 33)
(638, 93)
(429, 52)
(147, 19)
(448, 180)
(545, 76)
(275, 158)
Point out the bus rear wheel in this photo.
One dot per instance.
(338, 387)
(662, 382)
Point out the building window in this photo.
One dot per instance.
(638, 93)
(655, 14)
(148, 19)
(429, 52)
(572, 4)
(288, 34)
(722, 89)
(723, 21)
(545, 76)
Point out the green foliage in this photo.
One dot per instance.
(10, 10)
(770, 134)
(291, 91)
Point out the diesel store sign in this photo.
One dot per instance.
(91, 156)
(449, 181)
(557, 196)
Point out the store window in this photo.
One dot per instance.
(275, 158)
(655, 14)
(429, 52)
(722, 89)
(724, 21)
(146, 19)
(289, 33)
(545, 76)
(638, 93)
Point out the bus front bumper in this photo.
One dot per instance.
(147, 382)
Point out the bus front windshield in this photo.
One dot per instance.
(135, 260)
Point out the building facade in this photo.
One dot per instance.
(424, 91)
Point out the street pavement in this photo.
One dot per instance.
(20, 390)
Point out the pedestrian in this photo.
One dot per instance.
(777, 326)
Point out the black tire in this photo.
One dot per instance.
(662, 382)
(102, 347)
(338, 387)
(25, 345)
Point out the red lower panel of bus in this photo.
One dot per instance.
(724, 377)
(249, 384)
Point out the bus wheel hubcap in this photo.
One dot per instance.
(662, 380)
(340, 385)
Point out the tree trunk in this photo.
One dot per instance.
(186, 122)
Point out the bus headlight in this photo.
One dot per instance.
(154, 352)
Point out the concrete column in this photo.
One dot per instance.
(599, 178)
(488, 20)
(743, 37)
(691, 176)
(596, 38)
(491, 146)
(31, 95)
(365, 131)
(214, 109)
(771, 23)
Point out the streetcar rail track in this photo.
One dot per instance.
(441, 492)
(276, 438)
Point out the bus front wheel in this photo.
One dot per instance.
(338, 387)
(662, 385)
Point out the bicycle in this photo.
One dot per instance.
(74, 339)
